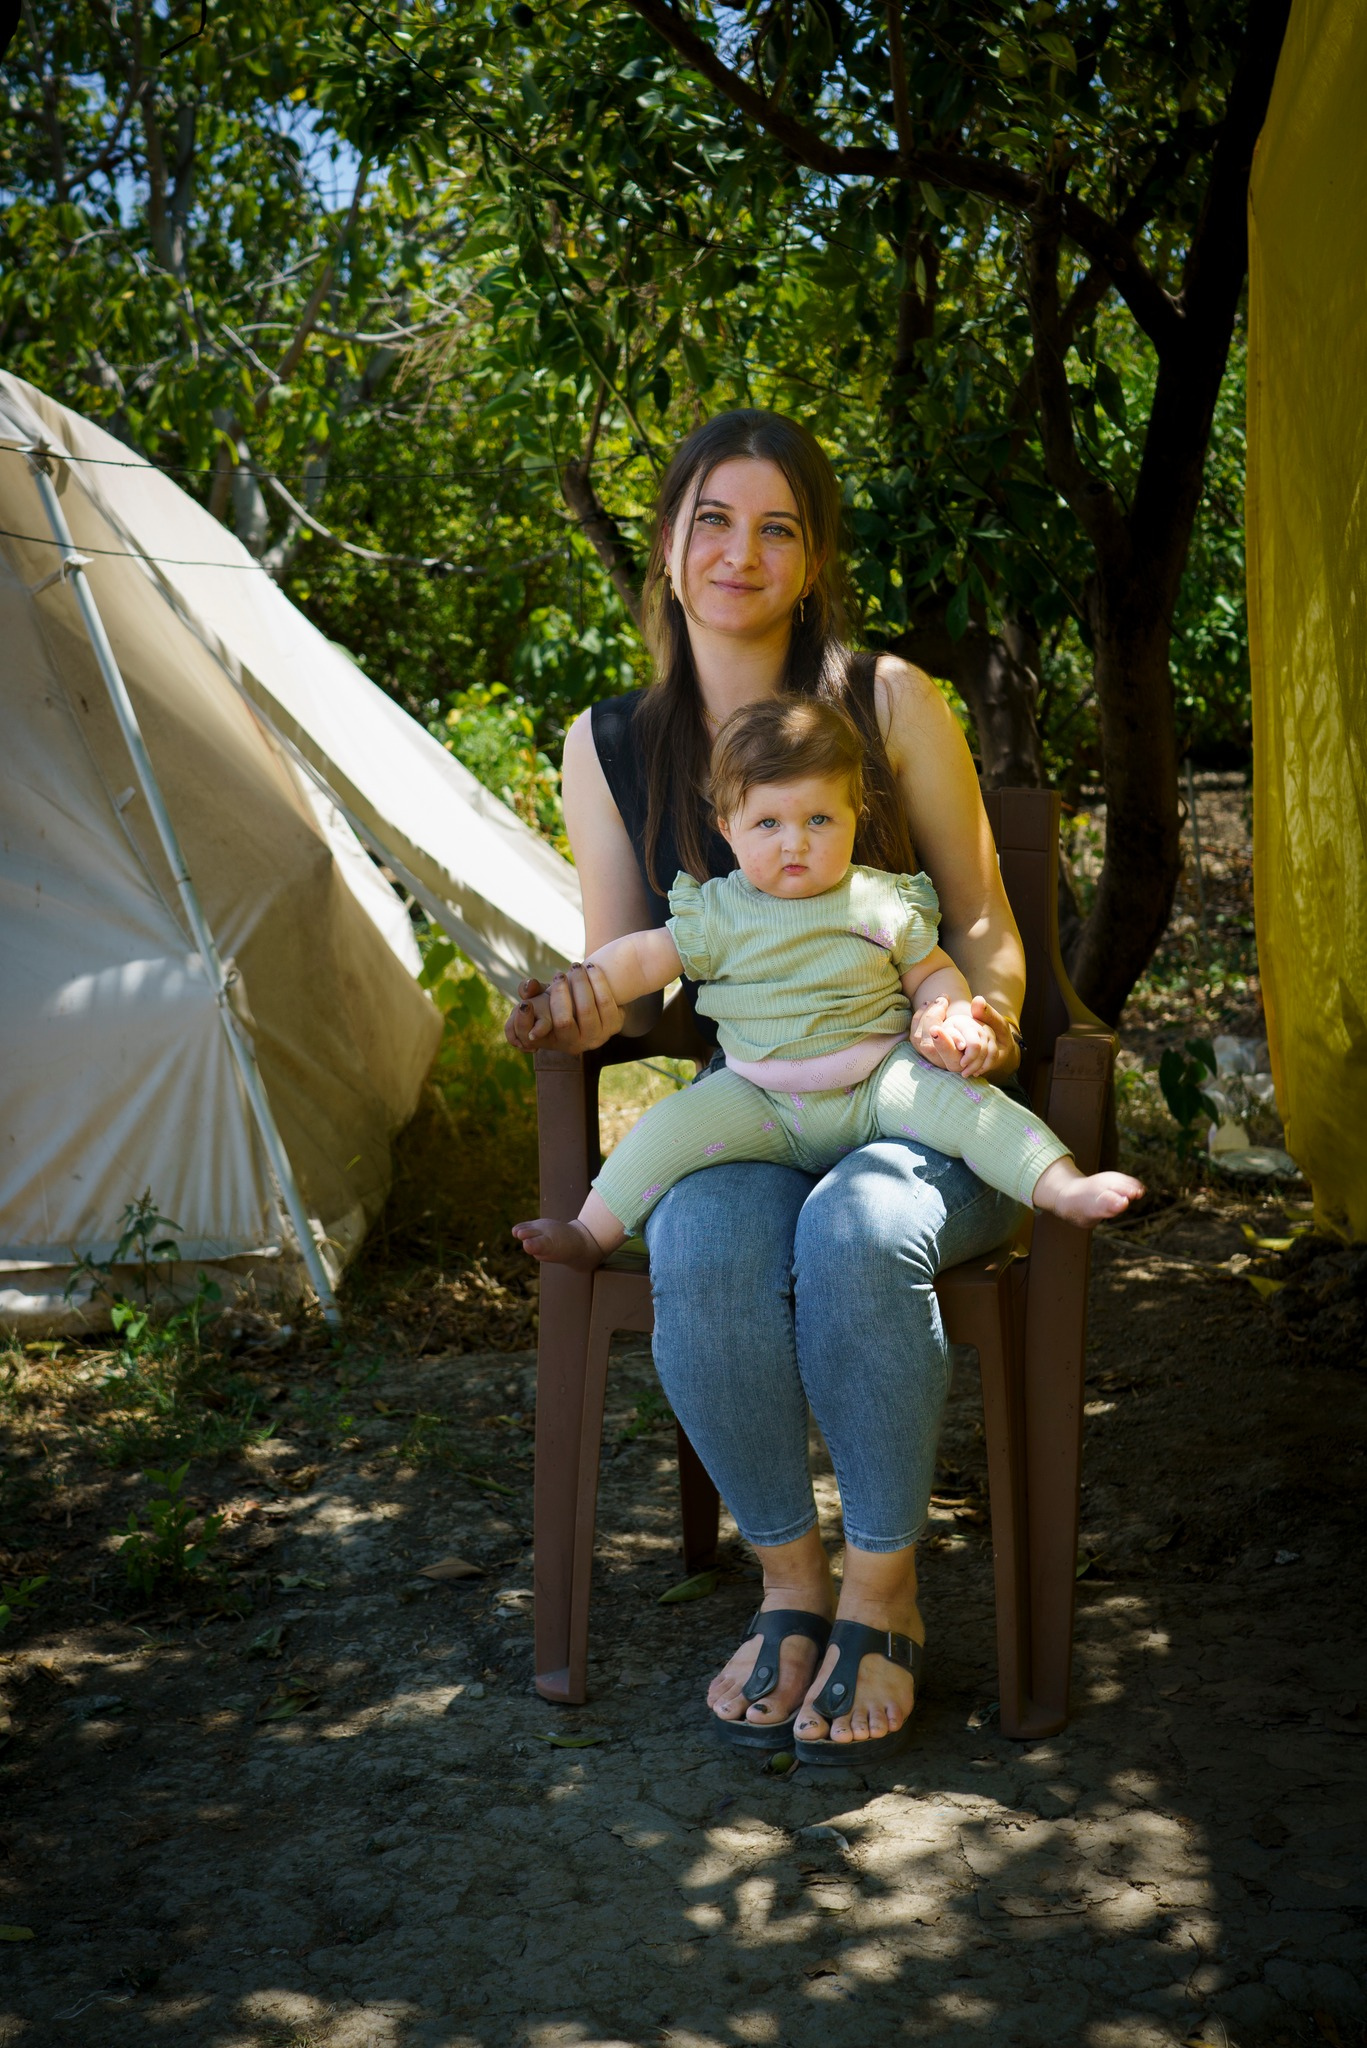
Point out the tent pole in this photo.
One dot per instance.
(243, 1050)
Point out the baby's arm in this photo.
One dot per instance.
(953, 1038)
(638, 965)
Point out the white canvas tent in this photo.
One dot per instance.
(123, 1065)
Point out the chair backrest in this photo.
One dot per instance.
(1025, 825)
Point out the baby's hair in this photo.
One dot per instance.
(783, 739)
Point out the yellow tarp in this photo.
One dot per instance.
(1307, 588)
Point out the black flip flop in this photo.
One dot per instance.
(855, 1641)
(772, 1625)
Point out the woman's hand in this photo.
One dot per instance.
(996, 1064)
(584, 1013)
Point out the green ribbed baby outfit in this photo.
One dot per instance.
(795, 978)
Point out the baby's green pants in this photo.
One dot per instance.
(724, 1118)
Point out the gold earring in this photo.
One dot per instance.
(802, 608)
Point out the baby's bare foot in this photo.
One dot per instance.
(1084, 1198)
(560, 1244)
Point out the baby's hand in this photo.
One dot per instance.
(950, 1036)
(541, 1023)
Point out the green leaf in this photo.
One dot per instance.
(1058, 49)
(569, 1741)
(696, 1588)
(956, 613)
(9, 1933)
(934, 203)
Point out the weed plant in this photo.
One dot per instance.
(165, 1554)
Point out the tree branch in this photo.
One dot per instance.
(596, 523)
(50, 119)
(1099, 238)
(800, 142)
(1090, 496)
(308, 319)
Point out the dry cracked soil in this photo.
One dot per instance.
(346, 1821)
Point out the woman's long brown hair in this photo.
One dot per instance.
(674, 740)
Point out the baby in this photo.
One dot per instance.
(813, 970)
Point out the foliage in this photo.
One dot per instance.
(19, 1599)
(417, 284)
(652, 253)
(190, 253)
(1184, 1080)
(164, 1552)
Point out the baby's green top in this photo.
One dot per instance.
(790, 977)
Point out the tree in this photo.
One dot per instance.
(190, 253)
(942, 226)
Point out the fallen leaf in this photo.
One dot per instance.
(296, 1696)
(1328, 2027)
(1263, 1287)
(16, 1933)
(1086, 1563)
(301, 1478)
(297, 1582)
(828, 1968)
(569, 1741)
(267, 1644)
(1267, 1244)
(696, 1588)
(451, 1568)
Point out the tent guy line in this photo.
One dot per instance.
(428, 562)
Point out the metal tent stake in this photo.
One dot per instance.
(73, 567)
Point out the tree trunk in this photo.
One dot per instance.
(603, 533)
(1131, 612)
(997, 678)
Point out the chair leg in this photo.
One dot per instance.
(1055, 1365)
(700, 1508)
(604, 1320)
(991, 1317)
(566, 1303)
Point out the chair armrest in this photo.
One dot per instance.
(1080, 1088)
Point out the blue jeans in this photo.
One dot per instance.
(775, 1291)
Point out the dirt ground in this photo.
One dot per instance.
(418, 1851)
(310, 1800)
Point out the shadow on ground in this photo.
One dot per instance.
(346, 1821)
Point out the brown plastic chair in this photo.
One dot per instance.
(1023, 1307)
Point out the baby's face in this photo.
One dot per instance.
(794, 838)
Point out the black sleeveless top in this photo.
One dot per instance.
(618, 746)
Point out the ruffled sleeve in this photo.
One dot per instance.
(687, 926)
(920, 920)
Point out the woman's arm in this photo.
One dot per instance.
(954, 844)
(584, 1012)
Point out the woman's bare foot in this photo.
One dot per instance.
(879, 1589)
(1084, 1198)
(795, 1575)
(560, 1244)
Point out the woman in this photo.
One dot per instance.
(826, 1296)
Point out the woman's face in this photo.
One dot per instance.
(737, 557)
